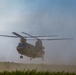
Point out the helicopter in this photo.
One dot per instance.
(29, 50)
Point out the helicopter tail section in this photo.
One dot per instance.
(39, 44)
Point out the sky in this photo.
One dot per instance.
(39, 17)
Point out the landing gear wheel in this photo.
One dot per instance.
(30, 58)
(42, 59)
(21, 56)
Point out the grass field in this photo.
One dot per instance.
(34, 72)
(7, 68)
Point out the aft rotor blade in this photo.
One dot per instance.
(8, 36)
(30, 35)
(55, 39)
(60, 39)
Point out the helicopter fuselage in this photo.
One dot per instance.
(31, 51)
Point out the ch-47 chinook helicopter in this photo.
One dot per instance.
(30, 50)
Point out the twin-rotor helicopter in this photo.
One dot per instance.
(29, 50)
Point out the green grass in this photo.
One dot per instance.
(34, 72)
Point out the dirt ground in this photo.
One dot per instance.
(6, 66)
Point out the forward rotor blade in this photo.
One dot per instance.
(40, 36)
(43, 36)
(18, 35)
(8, 36)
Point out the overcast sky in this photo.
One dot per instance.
(39, 17)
